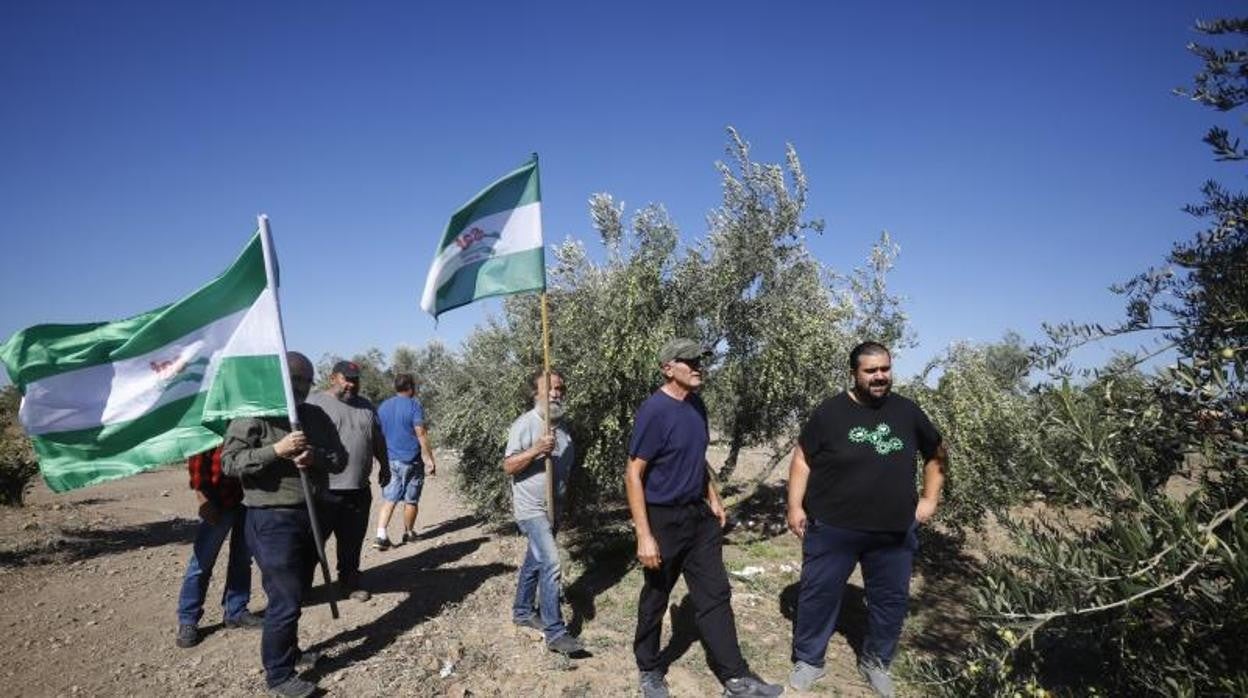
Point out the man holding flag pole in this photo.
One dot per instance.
(283, 464)
(110, 399)
(492, 246)
(273, 457)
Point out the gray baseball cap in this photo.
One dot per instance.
(682, 348)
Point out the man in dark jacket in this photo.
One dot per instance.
(267, 457)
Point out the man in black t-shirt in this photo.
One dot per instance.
(679, 521)
(852, 500)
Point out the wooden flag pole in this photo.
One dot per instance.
(550, 463)
(265, 245)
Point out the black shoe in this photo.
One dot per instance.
(381, 543)
(410, 537)
(352, 590)
(246, 619)
(188, 635)
(566, 645)
(294, 687)
(753, 686)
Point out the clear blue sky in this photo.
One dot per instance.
(1024, 155)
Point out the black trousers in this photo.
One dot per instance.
(347, 520)
(690, 543)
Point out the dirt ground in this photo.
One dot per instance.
(90, 582)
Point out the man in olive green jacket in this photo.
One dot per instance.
(267, 457)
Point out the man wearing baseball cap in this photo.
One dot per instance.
(350, 498)
(679, 521)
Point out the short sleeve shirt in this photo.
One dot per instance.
(400, 415)
(528, 487)
(862, 462)
(671, 436)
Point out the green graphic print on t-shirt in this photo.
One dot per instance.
(884, 444)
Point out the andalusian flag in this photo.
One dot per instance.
(492, 245)
(106, 400)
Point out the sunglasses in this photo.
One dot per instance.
(692, 363)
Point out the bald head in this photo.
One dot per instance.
(301, 373)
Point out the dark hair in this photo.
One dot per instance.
(404, 382)
(870, 348)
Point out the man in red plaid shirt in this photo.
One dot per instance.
(221, 513)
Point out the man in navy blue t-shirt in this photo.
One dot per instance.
(852, 500)
(679, 520)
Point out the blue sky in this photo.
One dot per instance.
(1024, 155)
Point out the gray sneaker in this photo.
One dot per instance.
(750, 685)
(566, 645)
(530, 623)
(653, 684)
(877, 676)
(294, 687)
(805, 675)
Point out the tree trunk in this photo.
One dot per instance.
(730, 463)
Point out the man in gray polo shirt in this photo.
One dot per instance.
(349, 498)
(529, 442)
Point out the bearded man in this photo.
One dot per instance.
(350, 497)
(535, 436)
(852, 500)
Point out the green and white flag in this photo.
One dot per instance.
(107, 400)
(492, 245)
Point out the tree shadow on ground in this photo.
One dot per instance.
(944, 606)
(684, 632)
(851, 619)
(760, 515)
(605, 558)
(429, 590)
(449, 526)
(73, 544)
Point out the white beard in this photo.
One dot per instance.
(556, 411)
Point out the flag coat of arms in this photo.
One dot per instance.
(107, 400)
(492, 245)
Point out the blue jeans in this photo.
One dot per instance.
(281, 541)
(829, 554)
(539, 579)
(208, 541)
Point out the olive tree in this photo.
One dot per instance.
(17, 456)
(779, 322)
(1136, 581)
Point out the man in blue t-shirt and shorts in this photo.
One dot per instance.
(679, 521)
(403, 424)
(852, 501)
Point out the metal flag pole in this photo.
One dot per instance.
(266, 244)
